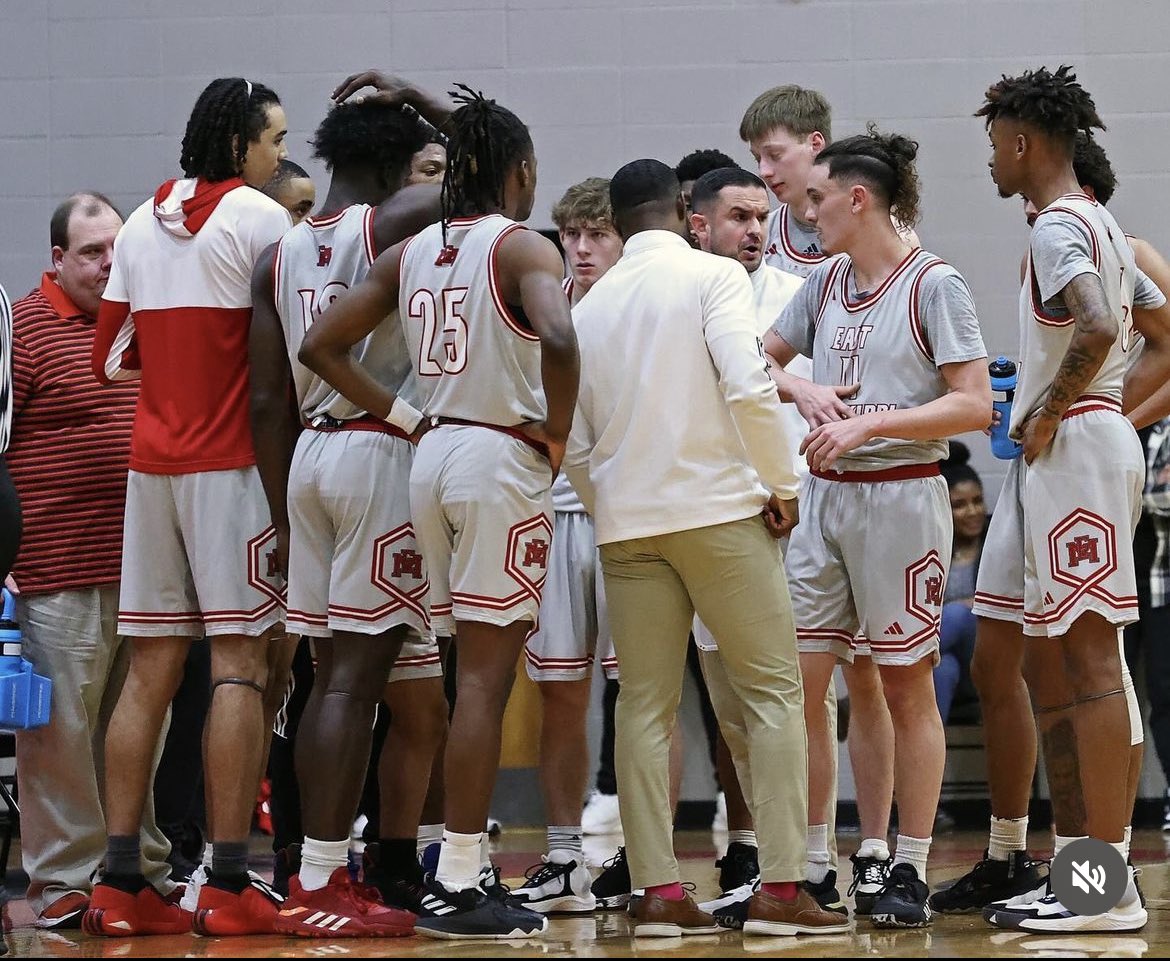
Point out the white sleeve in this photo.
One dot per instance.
(729, 329)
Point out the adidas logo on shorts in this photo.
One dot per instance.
(894, 630)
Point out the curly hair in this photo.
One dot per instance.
(885, 163)
(371, 135)
(1053, 103)
(228, 108)
(1093, 169)
(485, 142)
(699, 162)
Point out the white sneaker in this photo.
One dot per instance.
(190, 899)
(601, 815)
(556, 886)
(1049, 915)
(719, 822)
(1006, 913)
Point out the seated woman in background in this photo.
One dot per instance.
(957, 631)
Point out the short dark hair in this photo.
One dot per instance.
(371, 135)
(699, 162)
(707, 187)
(641, 182)
(228, 107)
(1053, 103)
(91, 203)
(1093, 169)
(884, 162)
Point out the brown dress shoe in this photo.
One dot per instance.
(770, 916)
(656, 917)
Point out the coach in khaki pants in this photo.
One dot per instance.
(677, 424)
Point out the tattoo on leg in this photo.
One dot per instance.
(1064, 775)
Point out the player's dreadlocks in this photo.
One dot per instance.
(228, 107)
(486, 141)
(1093, 169)
(1052, 102)
(885, 162)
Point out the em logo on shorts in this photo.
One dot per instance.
(527, 560)
(1082, 549)
(399, 570)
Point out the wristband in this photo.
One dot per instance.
(403, 416)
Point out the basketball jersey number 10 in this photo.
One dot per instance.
(443, 346)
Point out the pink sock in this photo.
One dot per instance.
(670, 892)
(784, 890)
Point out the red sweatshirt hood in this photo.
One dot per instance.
(183, 206)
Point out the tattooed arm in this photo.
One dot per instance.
(1096, 331)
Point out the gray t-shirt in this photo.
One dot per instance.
(891, 341)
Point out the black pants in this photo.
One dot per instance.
(10, 524)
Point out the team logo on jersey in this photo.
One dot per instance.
(1082, 549)
(447, 256)
(772, 251)
(264, 566)
(324, 255)
(527, 560)
(399, 570)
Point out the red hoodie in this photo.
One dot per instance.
(176, 313)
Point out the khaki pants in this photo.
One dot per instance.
(72, 638)
(730, 575)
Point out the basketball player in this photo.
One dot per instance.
(428, 165)
(1006, 872)
(488, 324)
(348, 512)
(785, 128)
(176, 312)
(293, 189)
(901, 323)
(573, 622)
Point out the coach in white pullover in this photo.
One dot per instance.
(678, 447)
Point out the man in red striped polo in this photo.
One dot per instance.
(68, 458)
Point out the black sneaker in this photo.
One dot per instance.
(990, 881)
(826, 894)
(739, 866)
(472, 915)
(904, 901)
(497, 890)
(869, 880)
(285, 863)
(395, 891)
(612, 888)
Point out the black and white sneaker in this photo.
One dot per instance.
(869, 880)
(826, 895)
(730, 909)
(990, 881)
(739, 866)
(613, 888)
(472, 915)
(497, 890)
(553, 886)
(904, 901)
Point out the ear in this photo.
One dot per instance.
(858, 198)
(816, 140)
(1021, 145)
(58, 256)
(699, 225)
(525, 170)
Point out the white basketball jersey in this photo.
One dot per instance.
(789, 245)
(1045, 333)
(316, 262)
(475, 357)
(879, 340)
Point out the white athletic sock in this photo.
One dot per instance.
(1007, 835)
(743, 837)
(1122, 848)
(428, 834)
(1061, 842)
(564, 841)
(913, 851)
(459, 861)
(206, 859)
(319, 859)
(877, 848)
(818, 852)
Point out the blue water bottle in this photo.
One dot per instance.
(25, 697)
(1003, 379)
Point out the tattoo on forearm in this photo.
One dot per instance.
(1085, 299)
(1062, 765)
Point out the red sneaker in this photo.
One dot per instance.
(341, 909)
(222, 912)
(119, 914)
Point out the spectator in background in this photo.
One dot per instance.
(957, 630)
(293, 189)
(69, 455)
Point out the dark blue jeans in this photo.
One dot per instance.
(956, 641)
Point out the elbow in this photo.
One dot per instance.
(979, 410)
(310, 354)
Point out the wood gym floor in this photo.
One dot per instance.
(607, 934)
